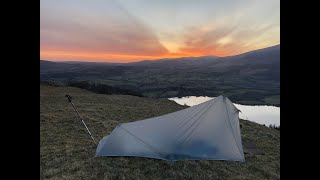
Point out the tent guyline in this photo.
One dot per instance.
(70, 100)
(207, 131)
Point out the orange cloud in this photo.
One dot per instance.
(228, 40)
(109, 33)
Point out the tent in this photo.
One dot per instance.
(207, 131)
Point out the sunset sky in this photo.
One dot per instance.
(133, 30)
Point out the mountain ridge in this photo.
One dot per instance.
(164, 59)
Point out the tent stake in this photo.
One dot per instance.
(70, 100)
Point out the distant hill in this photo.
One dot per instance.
(169, 62)
(248, 78)
(67, 152)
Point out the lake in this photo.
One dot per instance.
(261, 114)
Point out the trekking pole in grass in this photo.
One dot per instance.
(70, 100)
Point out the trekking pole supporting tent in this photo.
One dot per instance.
(70, 100)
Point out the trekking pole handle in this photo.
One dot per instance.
(69, 97)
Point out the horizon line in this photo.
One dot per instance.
(142, 60)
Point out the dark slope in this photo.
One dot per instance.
(249, 78)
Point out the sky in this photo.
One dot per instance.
(134, 30)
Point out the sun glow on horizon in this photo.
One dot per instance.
(135, 30)
(107, 57)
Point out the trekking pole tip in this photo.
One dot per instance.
(69, 97)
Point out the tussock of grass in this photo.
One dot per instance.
(67, 152)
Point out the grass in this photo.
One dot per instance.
(67, 152)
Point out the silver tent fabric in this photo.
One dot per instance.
(207, 131)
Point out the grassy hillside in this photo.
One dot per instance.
(67, 152)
